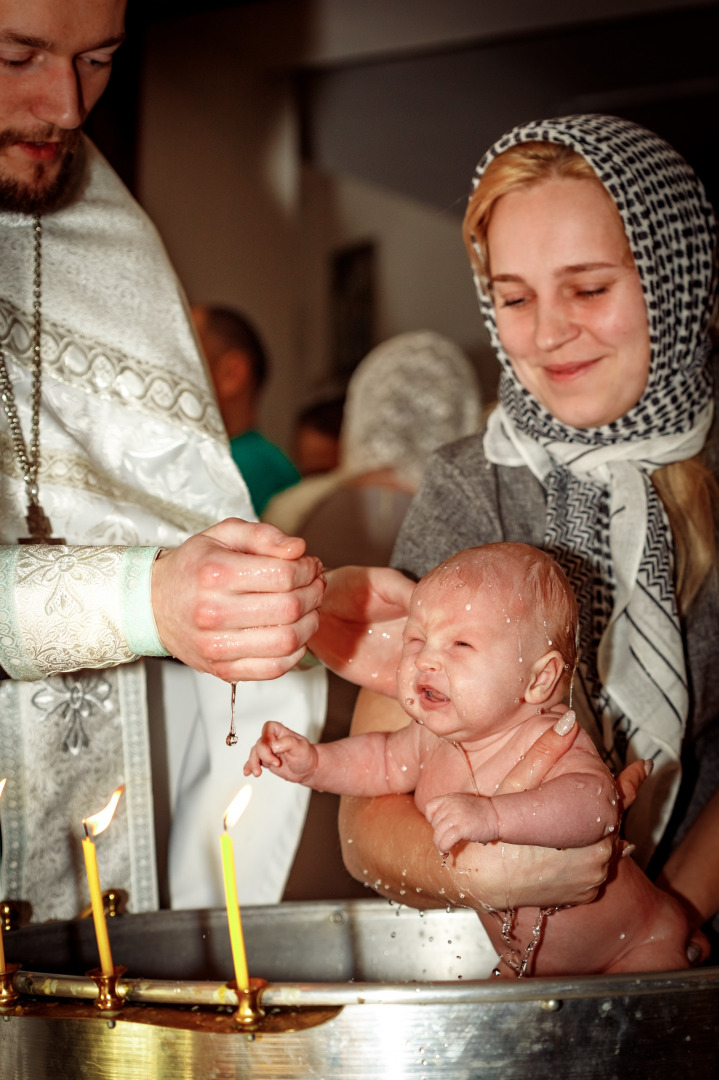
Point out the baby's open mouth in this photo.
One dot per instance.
(429, 694)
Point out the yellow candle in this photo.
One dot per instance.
(2, 946)
(94, 825)
(98, 907)
(234, 921)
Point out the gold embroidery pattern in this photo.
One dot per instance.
(86, 364)
(67, 611)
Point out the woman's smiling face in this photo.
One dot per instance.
(568, 300)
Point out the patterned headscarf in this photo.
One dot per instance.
(408, 396)
(605, 523)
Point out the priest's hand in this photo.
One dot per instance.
(361, 623)
(239, 600)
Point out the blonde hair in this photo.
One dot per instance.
(688, 489)
(519, 167)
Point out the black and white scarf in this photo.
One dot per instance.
(605, 523)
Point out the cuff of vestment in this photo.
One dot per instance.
(64, 607)
(138, 618)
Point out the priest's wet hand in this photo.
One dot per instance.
(239, 600)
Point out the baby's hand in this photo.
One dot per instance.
(458, 817)
(283, 752)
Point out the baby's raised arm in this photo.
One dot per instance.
(378, 763)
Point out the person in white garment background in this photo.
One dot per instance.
(115, 467)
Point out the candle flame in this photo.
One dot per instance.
(2, 785)
(237, 807)
(99, 822)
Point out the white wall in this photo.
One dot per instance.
(219, 174)
(423, 277)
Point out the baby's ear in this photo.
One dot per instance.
(546, 672)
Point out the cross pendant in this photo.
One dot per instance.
(39, 527)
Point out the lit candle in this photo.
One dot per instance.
(2, 946)
(237, 941)
(94, 826)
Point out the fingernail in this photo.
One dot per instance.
(694, 954)
(629, 849)
(648, 766)
(565, 723)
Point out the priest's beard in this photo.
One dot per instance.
(49, 187)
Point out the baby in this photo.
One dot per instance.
(489, 651)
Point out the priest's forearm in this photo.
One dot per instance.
(68, 607)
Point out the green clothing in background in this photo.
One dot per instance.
(266, 470)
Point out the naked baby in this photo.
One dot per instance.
(489, 650)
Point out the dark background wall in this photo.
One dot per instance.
(418, 122)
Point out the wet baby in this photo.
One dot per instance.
(489, 651)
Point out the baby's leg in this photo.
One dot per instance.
(632, 926)
(661, 943)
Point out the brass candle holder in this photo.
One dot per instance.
(8, 994)
(108, 999)
(249, 1013)
(9, 915)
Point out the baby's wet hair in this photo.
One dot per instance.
(529, 584)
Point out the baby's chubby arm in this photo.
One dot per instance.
(574, 809)
(378, 763)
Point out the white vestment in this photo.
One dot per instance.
(133, 455)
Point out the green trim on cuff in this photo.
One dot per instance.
(138, 618)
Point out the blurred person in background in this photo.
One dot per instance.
(239, 366)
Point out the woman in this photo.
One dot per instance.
(593, 250)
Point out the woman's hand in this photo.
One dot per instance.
(239, 600)
(361, 623)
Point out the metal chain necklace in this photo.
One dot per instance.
(37, 520)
